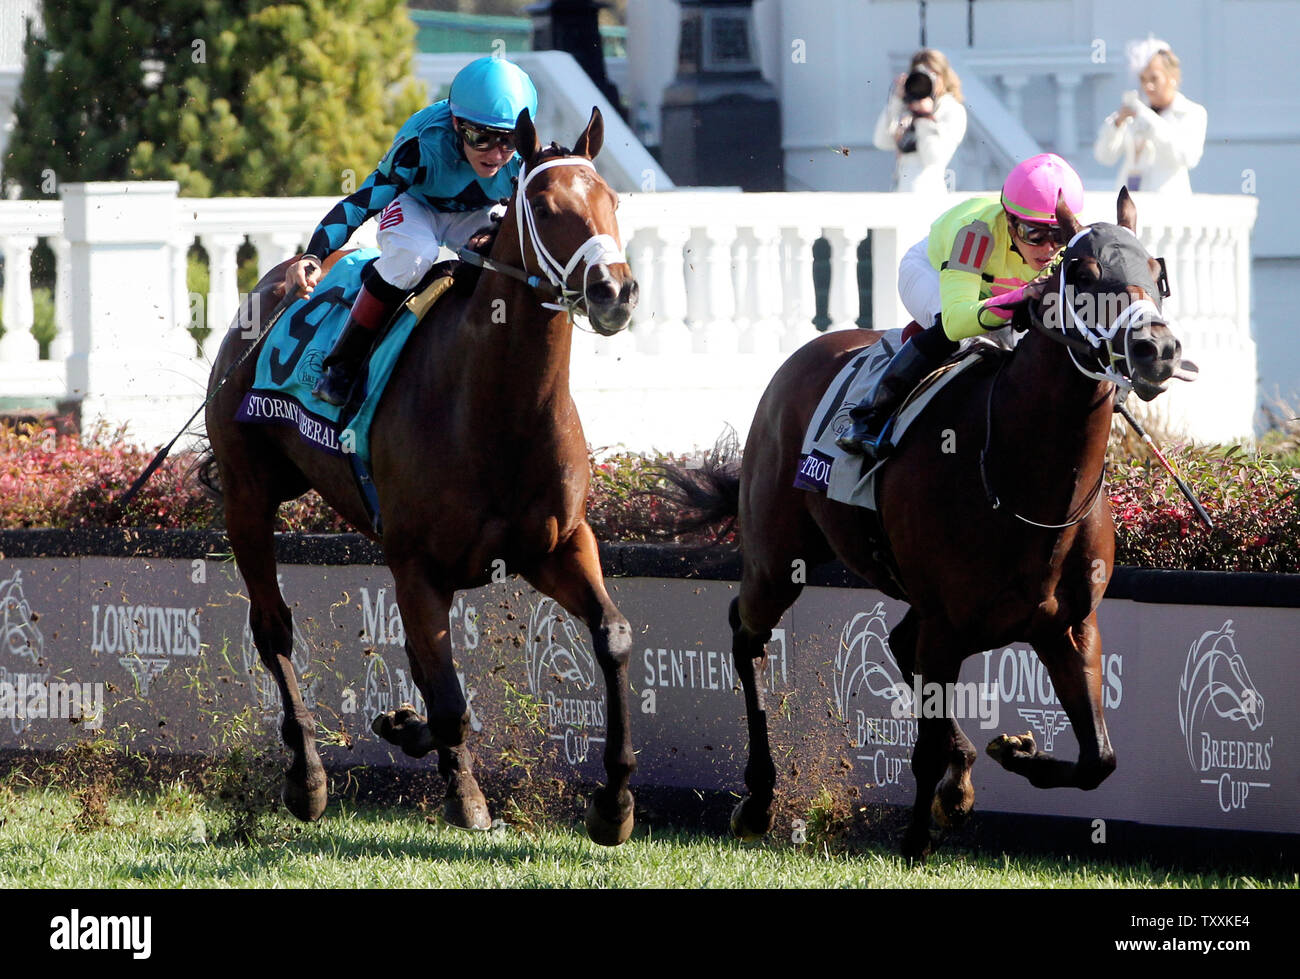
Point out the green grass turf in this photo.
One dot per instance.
(174, 838)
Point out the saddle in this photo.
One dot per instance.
(826, 468)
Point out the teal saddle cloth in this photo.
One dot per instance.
(289, 365)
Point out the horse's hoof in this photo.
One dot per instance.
(949, 817)
(465, 807)
(406, 729)
(611, 832)
(743, 824)
(306, 803)
(1006, 747)
(953, 803)
(917, 845)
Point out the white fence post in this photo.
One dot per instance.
(124, 365)
(18, 344)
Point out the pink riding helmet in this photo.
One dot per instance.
(1031, 188)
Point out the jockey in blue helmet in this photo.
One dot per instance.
(447, 166)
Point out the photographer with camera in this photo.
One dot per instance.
(1160, 139)
(923, 123)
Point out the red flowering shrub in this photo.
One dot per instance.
(51, 480)
(1251, 498)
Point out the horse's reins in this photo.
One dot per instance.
(598, 250)
(1090, 347)
(996, 503)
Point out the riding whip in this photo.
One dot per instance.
(1187, 490)
(290, 296)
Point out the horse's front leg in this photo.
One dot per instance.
(1073, 661)
(943, 755)
(428, 647)
(571, 575)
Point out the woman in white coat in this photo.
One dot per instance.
(924, 129)
(1156, 141)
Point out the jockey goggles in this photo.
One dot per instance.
(484, 138)
(1037, 234)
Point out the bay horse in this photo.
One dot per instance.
(479, 462)
(992, 504)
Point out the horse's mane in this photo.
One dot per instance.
(552, 152)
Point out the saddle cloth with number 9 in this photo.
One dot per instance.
(289, 364)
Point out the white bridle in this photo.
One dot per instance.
(1099, 335)
(597, 251)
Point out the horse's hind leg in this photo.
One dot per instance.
(250, 524)
(428, 647)
(1073, 661)
(572, 576)
(753, 614)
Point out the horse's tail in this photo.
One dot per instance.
(208, 475)
(707, 495)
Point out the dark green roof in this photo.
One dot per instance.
(442, 32)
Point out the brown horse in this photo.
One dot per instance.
(992, 504)
(479, 461)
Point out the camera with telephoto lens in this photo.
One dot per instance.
(918, 85)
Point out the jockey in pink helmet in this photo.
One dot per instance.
(963, 280)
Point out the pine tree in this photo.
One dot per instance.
(224, 96)
(82, 93)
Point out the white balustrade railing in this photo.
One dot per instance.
(1068, 68)
(726, 294)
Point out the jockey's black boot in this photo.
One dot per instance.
(369, 313)
(917, 358)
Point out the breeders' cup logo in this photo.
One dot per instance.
(21, 636)
(1218, 703)
(865, 660)
(873, 698)
(265, 691)
(562, 674)
(311, 368)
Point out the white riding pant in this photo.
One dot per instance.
(918, 284)
(411, 233)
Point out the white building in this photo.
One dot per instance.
(726, 278)
(1058, 67)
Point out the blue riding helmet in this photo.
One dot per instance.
(492, 92)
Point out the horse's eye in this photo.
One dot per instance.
(542, 210)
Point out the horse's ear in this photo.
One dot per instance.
(1065, 217)
(593, 137)
(1126, 211)
(526, 136)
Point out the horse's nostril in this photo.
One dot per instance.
(1145, 351)
(602, 293)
